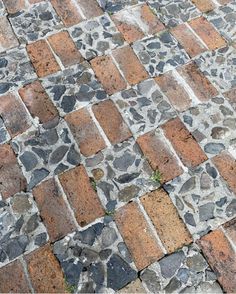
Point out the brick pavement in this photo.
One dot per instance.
(118, 146)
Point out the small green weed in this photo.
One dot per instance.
(156, 176)
(93, 184)
(70, 288)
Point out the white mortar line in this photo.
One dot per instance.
(197, 36)
(55, 55)
(229, 239)
(78, 8)
(118, 67)
(25, 269)
(216, 3)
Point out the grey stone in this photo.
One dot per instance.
(214, 148)
(29, 160)
(58, 154)
(72, 271)
(37, 176)
(150, 278)
(188, 186)
(170, 264)
(109, 236)
(206, 211)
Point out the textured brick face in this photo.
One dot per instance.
(204, 5)
(90, 8)
(13, 6)
(7, 37)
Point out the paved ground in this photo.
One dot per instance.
(118, 146)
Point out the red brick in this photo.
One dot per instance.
(133, 70)
(7, 38)
(159, 156)
(175, 91)
(90, 8)
(137, 235)
(150, 20)
(81, 195)
(115, 129)
(183, 142)
(108, 74)
(221, 257)
(231, 96)
(200, 85)
(13, 6)
(192, 45)
(67, 11)
(14, 114)
(38, 102)
(226, 166)
(204, 5)
(207, 33)
(35, 1)
(230, 229)
(53, 210)
(11, 177)
(42, 58)
(44, 271)
(65, 48)
(85, 132)
(163, 214)
(13, 279)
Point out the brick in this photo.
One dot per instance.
(207, 33)
(164, 216)
(108, 74)
(204, 5)
(44, 271)
(137, 235)
(223, 2)
(8, 39)
(192, 45)
(159, 156)
(81, 195)
(14, 114)
(90, 8)
(231, 96)
(14, 6)
(65, 48)
(53, 210)
(13, 279)
(11, 177)
(230, 229)
(38, 102)
(226, 166)
(35, 1)
(85, 132)
(200, 85)
(221, 257)
(42, 58)
(183, 142)
(133, 70)
(174, 90)
(115, 129)
(67, 11)
(150, 20)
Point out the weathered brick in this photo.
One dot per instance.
(7, 37)
(81, 195)
(183, 142)
(35, 1)
(207, 33)
(226, 166)
(174, 90)
(90, 8)
(200, 85)
(223, 2)
(170, 227)
(133, 70)
(221, 257)
(204, 5)
(115, 129)
(38, 102)
(231, 96)
(230, 228)
(14, 114)
(44, 271)
(85, 132)
(150, 20)
(108, 74)
(42, 58)
(192, 45)
(13, 279)
(65, 48)
(11, 177)
(14, 6)
(67, 11)
(159, 156)
(137, 235)
(53, 210)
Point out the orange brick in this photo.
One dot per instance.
(14, 6)
(7, 37)
(133, 70)
(65, 48)
(108, 74)
(192, 45)
(53, 210)
(38, 102)
(137, 235)
(14, 114)
(13, 279)
(183, 142)
(207, 33)
(200, 85)
(90, 8)
(81, 195)
(230, 228)
(42, 58)
(175, 92)
(151, 21)
(226, 166)
(204, 5)
(221, 257)
(67, 11)
(85, 132)
(115, 129)
(44, 271)
(159, 156)
(170, 227)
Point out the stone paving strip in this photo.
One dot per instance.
(117, 146)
